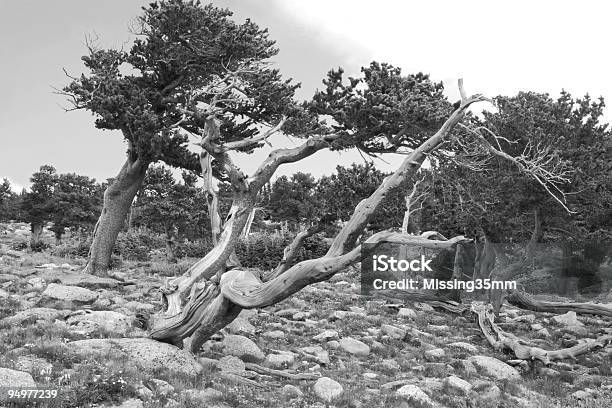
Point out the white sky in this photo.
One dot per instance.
(497, 47)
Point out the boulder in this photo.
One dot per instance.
(457, 384)
(327, 389)
(492, 367)
(240, 326)
(434, 354)
(353, 346)
(84, 280)
(413, 393)
(470, 348)
(393, 332)
(243, 348)
(406, 313)
(148, 354)
(321, 356)
(326, 335)
(230, 364)
(567, 319)
(37, 313)
(291, 391)
(280, 361)
(69, 293)
(14, 378)
(89, 321)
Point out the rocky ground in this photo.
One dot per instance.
(326, 346)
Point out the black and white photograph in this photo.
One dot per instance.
(305, 204)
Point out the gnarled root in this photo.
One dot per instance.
(500, 340)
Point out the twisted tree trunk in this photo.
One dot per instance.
(118, 199)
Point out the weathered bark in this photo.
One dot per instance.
(524, 301)
(118, 199)
(35, 238)
(203, 316)
(170, 244)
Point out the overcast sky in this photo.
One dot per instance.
(498, 48)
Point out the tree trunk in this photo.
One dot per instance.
(35, 238)
(170, 254)
(58, 238)
(118, 199)
(536, 236)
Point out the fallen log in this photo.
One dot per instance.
(524, 301)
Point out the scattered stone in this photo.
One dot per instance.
(242, 348)
(567, 319)
(287, 313)
(470, 348)
(326, 335)
(37, 313)
(393, 332)
(434, 354)
(327, 389)
(414, 393)
(4, 294)
(291, 391)
(89, 321)
(390, 365)
(353, 346)
(33, 364)
(37, 283)
(370, 376)
(136, 306)
(494, 368)
(457, 384)
(202, 397)
(317, 352)
(424, 307)
(129, 403)
(241, 326)
(333, 344)
(149, 354)
(581, 395)
(301, 316)
(209, 363)
(274, 334)
(69, 293)
(14, 378)
(406, 313)
(536, 327)
(231, 364)
(161, 387)
(486, 393)
(280, 361)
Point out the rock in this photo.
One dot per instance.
(14, 378)
(301, 316)
(424, 307)
(4, 294)
(486, 394)
(567, 319)
(37, 283)
(393, 332)
(406, 313)
(37, 313)
(208, 363)
(320, 355)
(242, 348)
(333, 344)
(494, 368)
(287, 313)
(7, 277)
(326, 335)
(434, 354)
(149, 354)
(69, 293)
(543, 333)
(33, 364)
(390, 365)
(90, 321)
(576, 330)
(353, 346)
(327, 389)
(470, 348)
(136, 306)
(413, 393)
(370, 376)
(280, 361)
(83, 280)
(291, 391)
(231, 364)
(240, 326)
(274, 334)
(536, 327)
(202, 397)
(457, 384)
(161, 387)
(581, 395)
(129, 403)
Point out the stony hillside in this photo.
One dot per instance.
(327, 346)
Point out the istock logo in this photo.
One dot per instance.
(382, 263)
